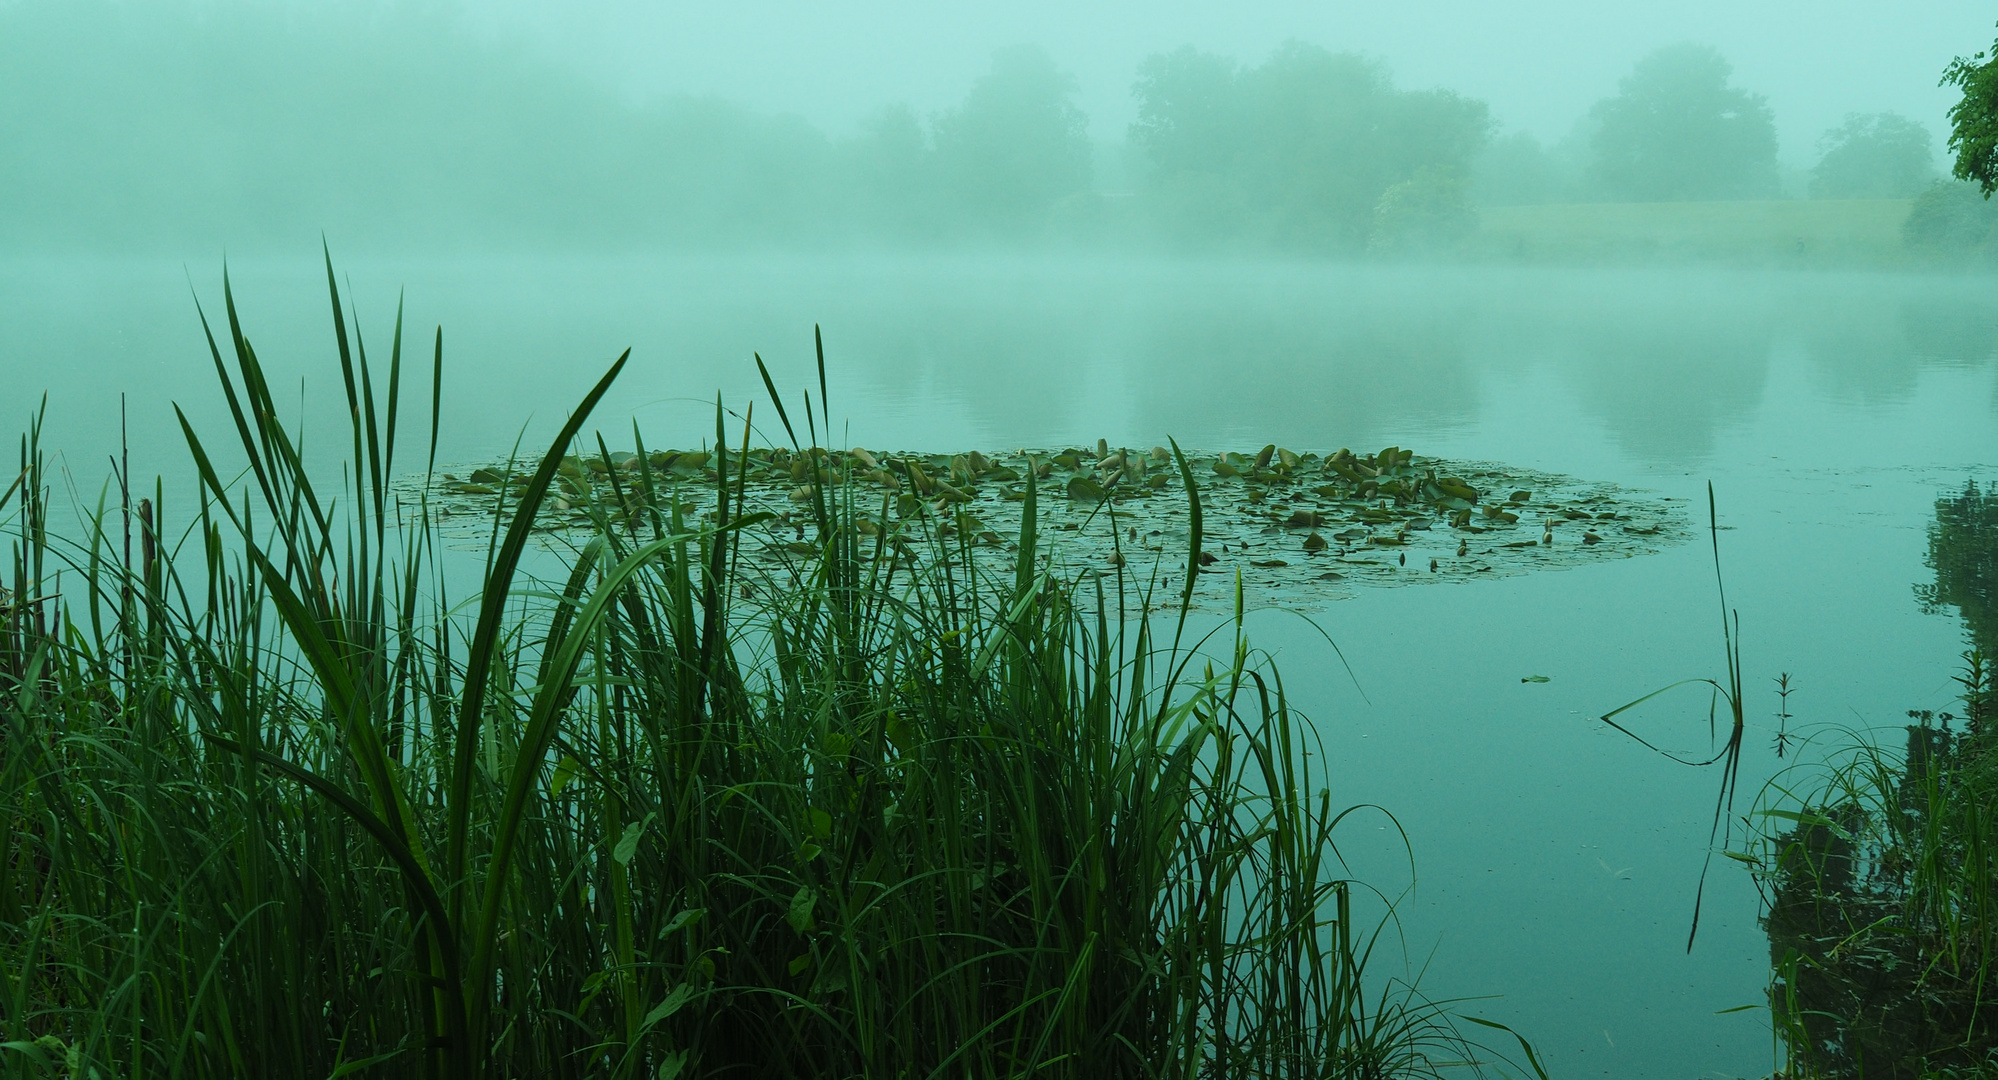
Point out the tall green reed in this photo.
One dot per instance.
(276, 805)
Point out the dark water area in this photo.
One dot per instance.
(1554, 860)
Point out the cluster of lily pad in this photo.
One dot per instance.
(1298, 527)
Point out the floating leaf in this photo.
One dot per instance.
(1084, 489)
(1268, 564)
(1315, 543)
(1535, 678)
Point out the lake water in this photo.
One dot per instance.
(1554, 861)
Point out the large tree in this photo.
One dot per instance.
(1017, 145)
(1298, 150)
(1874, 156)
(1678, 130)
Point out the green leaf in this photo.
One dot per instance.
(686, 917)
(671, 1064)
(349, 1068)
(1534, 678)
(670, 1006)
(565, 773)
(1084, 489)
(820, 823)
(800, 962)
(627, 845)
(800, 915)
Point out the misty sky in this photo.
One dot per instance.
(1540, 64)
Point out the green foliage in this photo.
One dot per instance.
(274, 802)
(1677, 130)
(1016, 146)
(1874, 156)
(1297, 152)
(1516, 170)
(1973, 120)
(1951, 219)
(1428, 211)
(1879, 878)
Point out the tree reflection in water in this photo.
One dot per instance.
(1882, 908)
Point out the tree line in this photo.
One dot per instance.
(127, 127)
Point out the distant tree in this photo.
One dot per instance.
(892, 175)
(1429, 211)
(1517, 171)
(1297, 151)
(1676, 130)
(1951, 219)
(1874, 156)
(1017, 145)
(1187, 114)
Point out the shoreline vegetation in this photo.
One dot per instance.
(284, 798)
(1878, 868)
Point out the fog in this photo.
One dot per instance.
(190, 126)
(1680, 249)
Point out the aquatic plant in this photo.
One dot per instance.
(1724, 692)
(1877, 874)
(1879, 867)
(274, 802)
(1296, 529)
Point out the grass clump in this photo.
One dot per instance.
(1881, 889)
(277, 804)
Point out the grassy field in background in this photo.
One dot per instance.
(1785, 232)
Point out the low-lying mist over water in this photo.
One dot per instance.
(177, 127)
(1473, 351)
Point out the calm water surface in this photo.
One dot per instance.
(1554, 862)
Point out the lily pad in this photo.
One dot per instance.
(921, 507)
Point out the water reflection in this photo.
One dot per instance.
(1005, 353)
(1880, 916)
(1963, 551)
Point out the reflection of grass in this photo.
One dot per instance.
(1881, 885)
(1791, 232)
(1882, 880)
(277, 804)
